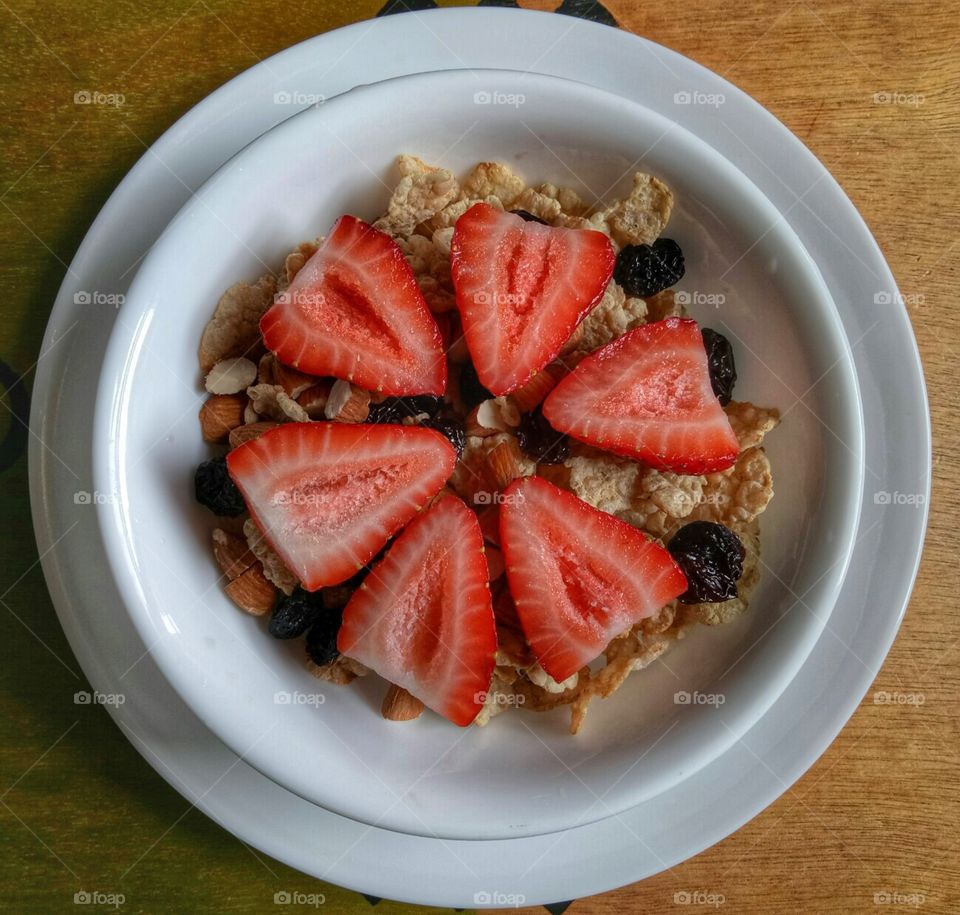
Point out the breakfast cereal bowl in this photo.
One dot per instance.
(523, 773)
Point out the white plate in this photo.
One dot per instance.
(613, 851)
(516, 777)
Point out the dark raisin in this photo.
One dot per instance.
(384, 412)
(451, 428)
(711, 556)
(471, 391)
(648, 269)
(215, 489)
(394, 409)
(322, 637)
(528, 217)
(540, 441)
(295, 614)
(723, 370)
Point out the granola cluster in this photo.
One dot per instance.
(251, 392)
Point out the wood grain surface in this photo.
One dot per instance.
(872, 88)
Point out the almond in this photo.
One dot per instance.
(347, 403)
(251, 591)
(249, 431)
(230, 376)
(220, 414)
(503, 463)
(534, 391)
(557, 474)
(232, 553)
(485, 419)
(314, 399)
(293, 381)
(399, 705)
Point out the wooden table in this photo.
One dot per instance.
(877, 814)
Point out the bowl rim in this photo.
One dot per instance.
(109, 402)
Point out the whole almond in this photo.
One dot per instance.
(252, 592)
(534, 391)
(347, 403)
(220, 414)
(399, 705)
(293, 381)
(232, 553)
(503, 463)
(249, 431)
(314, 399)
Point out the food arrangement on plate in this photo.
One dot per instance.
(478, 448)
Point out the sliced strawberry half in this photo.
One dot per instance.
(354, 311)
(578, 576)
(328, 496)
(423, 618)
(522, 288)
(648, 396)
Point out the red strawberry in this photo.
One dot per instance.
(328, 496)
(522, 288)
(355, 311)
(578, 576)
(423, 618)
(648, 396)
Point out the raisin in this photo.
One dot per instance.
(215, 489)
(528, 217)
(648, 269)
(540, 441)
(711, 556)
(322, 637)
(295, 614)
(723, 370)
(451, 428)
(395, 409)
(471, 391)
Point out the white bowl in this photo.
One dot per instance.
(523, 774)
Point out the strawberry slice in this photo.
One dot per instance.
(354, 311)
(423, 618)
(578, 576)
(522, 288)
(648, 396)
(328, 496)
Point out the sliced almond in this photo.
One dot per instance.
(314, 399)
(220, 414)
(534, 391)
(249, 431)
(347, 403)
(503, 463)
(232, 553)
(229, 376)
(251, 591)
(399, 705)
(485, 419)
(293, 381)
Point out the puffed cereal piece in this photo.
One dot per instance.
(662, 500)
(423, 191)
(539, 205)
(234, 328)
(603, 480)
(493, 179)
(751, 423)
(736, 496)
(612, 317)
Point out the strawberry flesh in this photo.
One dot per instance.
(423, 618)
(578, 576)
(328, 496)
(648, 396)
(522, 288)
(355, 311)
